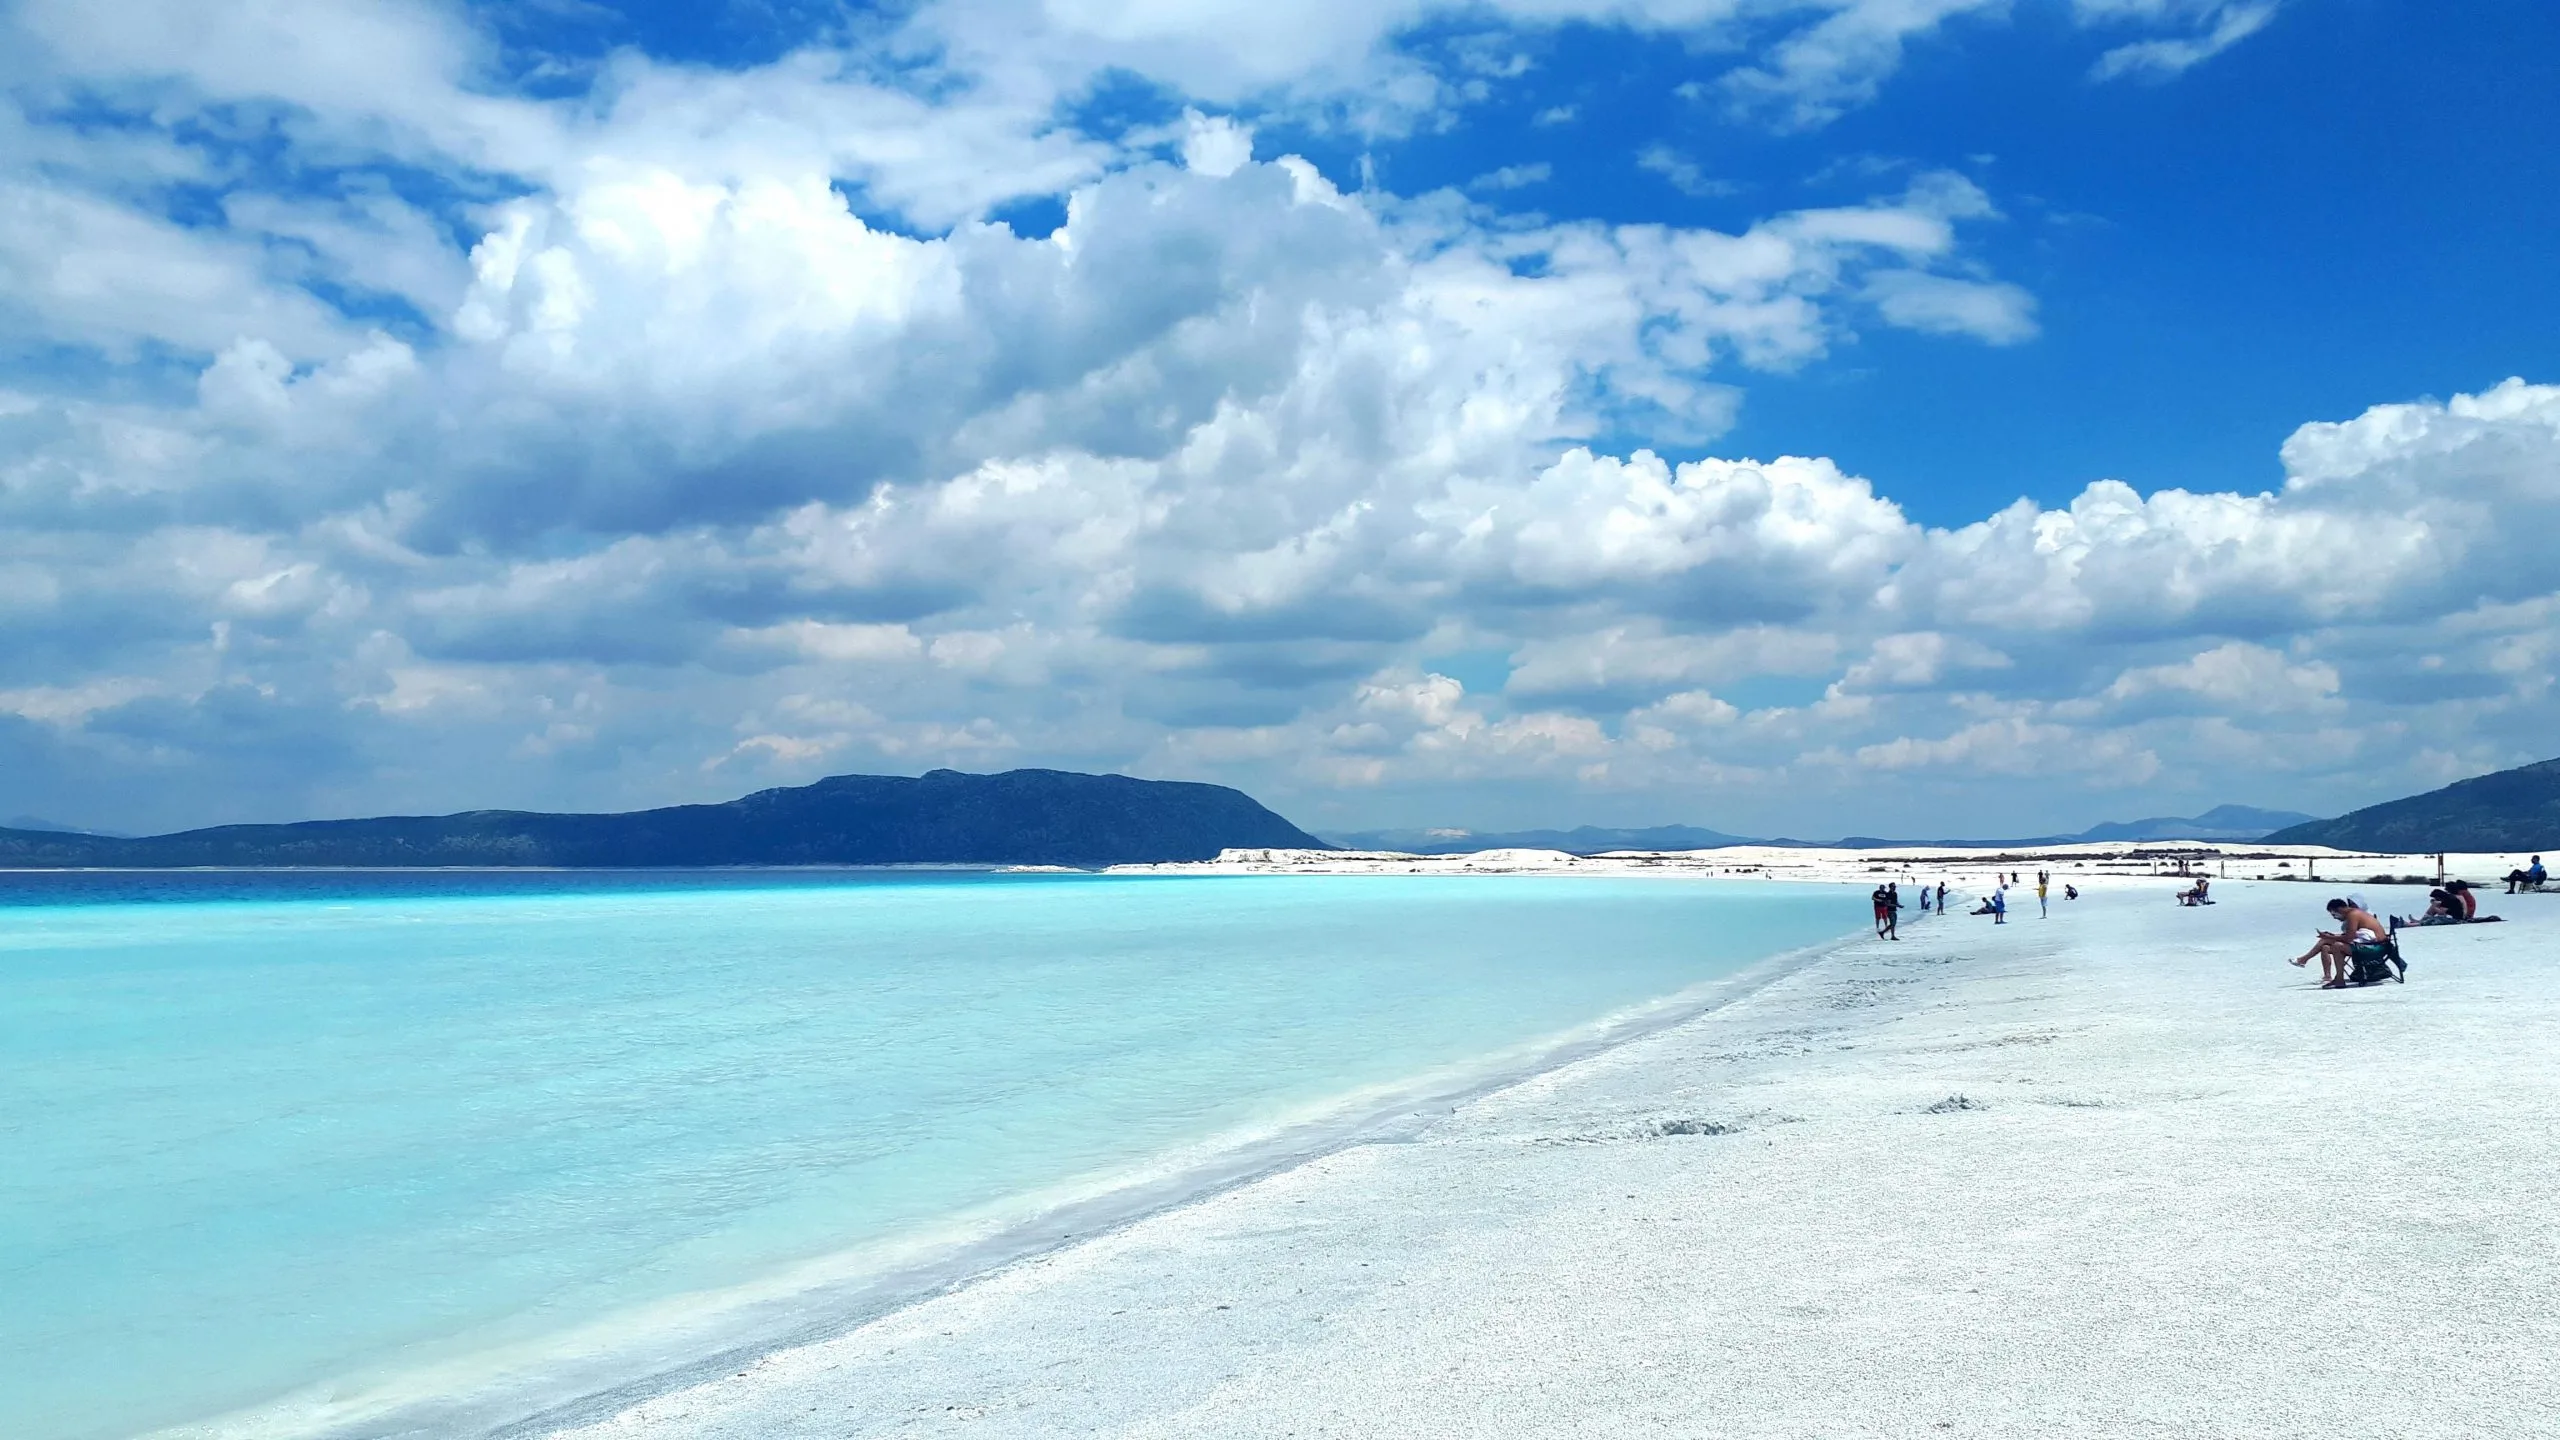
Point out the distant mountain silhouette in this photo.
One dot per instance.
(1586, 840)
(38, 822)
(2510, 810)
(2222, 822)
(1021, 817)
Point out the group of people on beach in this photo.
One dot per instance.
(1888, 903)
(2452, 903)
(2364, 949)
(1996, 903)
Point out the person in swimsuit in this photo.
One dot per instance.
(2358, 931)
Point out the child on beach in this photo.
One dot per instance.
(2358, 935)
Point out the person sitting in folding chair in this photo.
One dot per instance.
(2359, 952)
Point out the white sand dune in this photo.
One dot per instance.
(2119, 1172)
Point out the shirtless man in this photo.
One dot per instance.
(2357, 929)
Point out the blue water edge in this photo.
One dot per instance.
(295, 1153)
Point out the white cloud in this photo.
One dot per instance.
(1682, 172)
(1215, 145)
(2221, 25)
(1513, 177)
(2235, 677)
(88, 271)
(1920, 659)
(722, 439)
(1816, 74)
(1991, 311)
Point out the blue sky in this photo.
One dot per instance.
(1896, 416)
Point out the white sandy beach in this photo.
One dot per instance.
(2118, 1172)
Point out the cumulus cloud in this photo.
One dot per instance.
(711, 429)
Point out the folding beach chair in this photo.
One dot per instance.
(2373, 964)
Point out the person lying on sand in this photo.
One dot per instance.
(2358, 932)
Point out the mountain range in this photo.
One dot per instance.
(2223, 822)
(2504, 812)
(1057, 817)
(1021, 817)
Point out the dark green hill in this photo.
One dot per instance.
(1021, 817)
(2515, 809)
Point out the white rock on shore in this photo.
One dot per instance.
(2119, 1172)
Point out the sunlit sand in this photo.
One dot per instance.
(2121, 1171)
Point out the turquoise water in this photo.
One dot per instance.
(317, 1144)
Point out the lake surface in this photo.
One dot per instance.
(309, 1151)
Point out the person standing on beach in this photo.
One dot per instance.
(2000, 905)
(1942, 897)
(2044, 882)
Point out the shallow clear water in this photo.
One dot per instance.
(260, 1134)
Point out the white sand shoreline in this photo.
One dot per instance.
(2085, 864)
(1778, 1218)
(544, 1384)
(1389, 1115)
